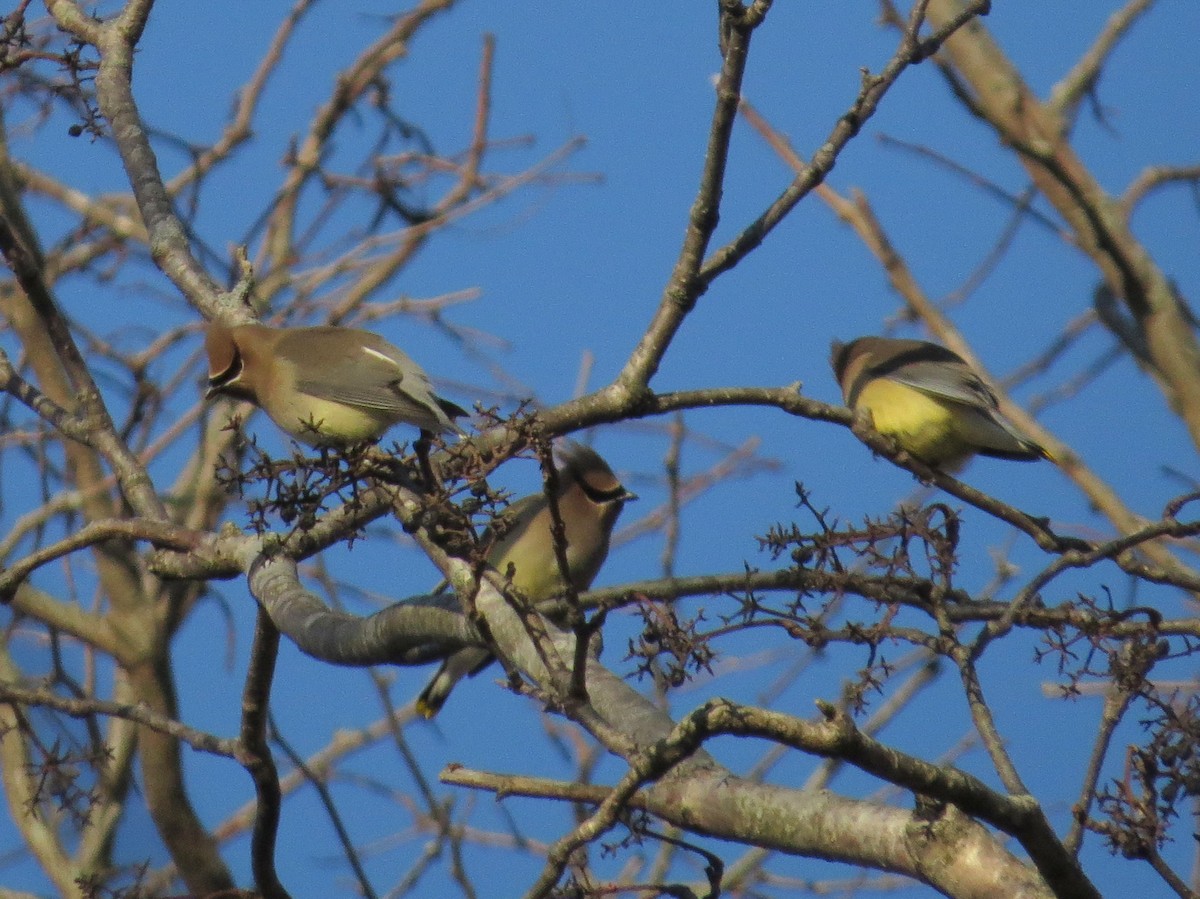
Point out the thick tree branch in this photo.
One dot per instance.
(409, 633)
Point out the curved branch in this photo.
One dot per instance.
(408, 633)
(1155, 177)
(1085, 74)
(71, 18)
(838, 736)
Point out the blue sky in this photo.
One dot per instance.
(576, 267)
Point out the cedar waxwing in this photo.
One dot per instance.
(928, 400)
(589, 500)
(326, 386)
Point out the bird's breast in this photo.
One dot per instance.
(319, 421)
(922, 425)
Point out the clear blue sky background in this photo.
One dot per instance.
(573, 268)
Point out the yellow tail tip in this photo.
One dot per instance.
(425, 709)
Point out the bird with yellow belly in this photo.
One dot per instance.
(927, 399)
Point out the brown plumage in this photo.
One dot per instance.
(325, 386)
(928, 400)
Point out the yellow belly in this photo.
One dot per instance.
(320, 422)
(539, 582)
(922, 426)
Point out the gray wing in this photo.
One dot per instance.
(994, 434)
(366, 379)
(378, 376)
(954, 382)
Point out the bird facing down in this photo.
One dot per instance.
(928, 400)
(325, 386)
(589, 498)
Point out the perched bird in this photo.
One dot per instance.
(589, 500)
(326, 386)
(928, 400)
